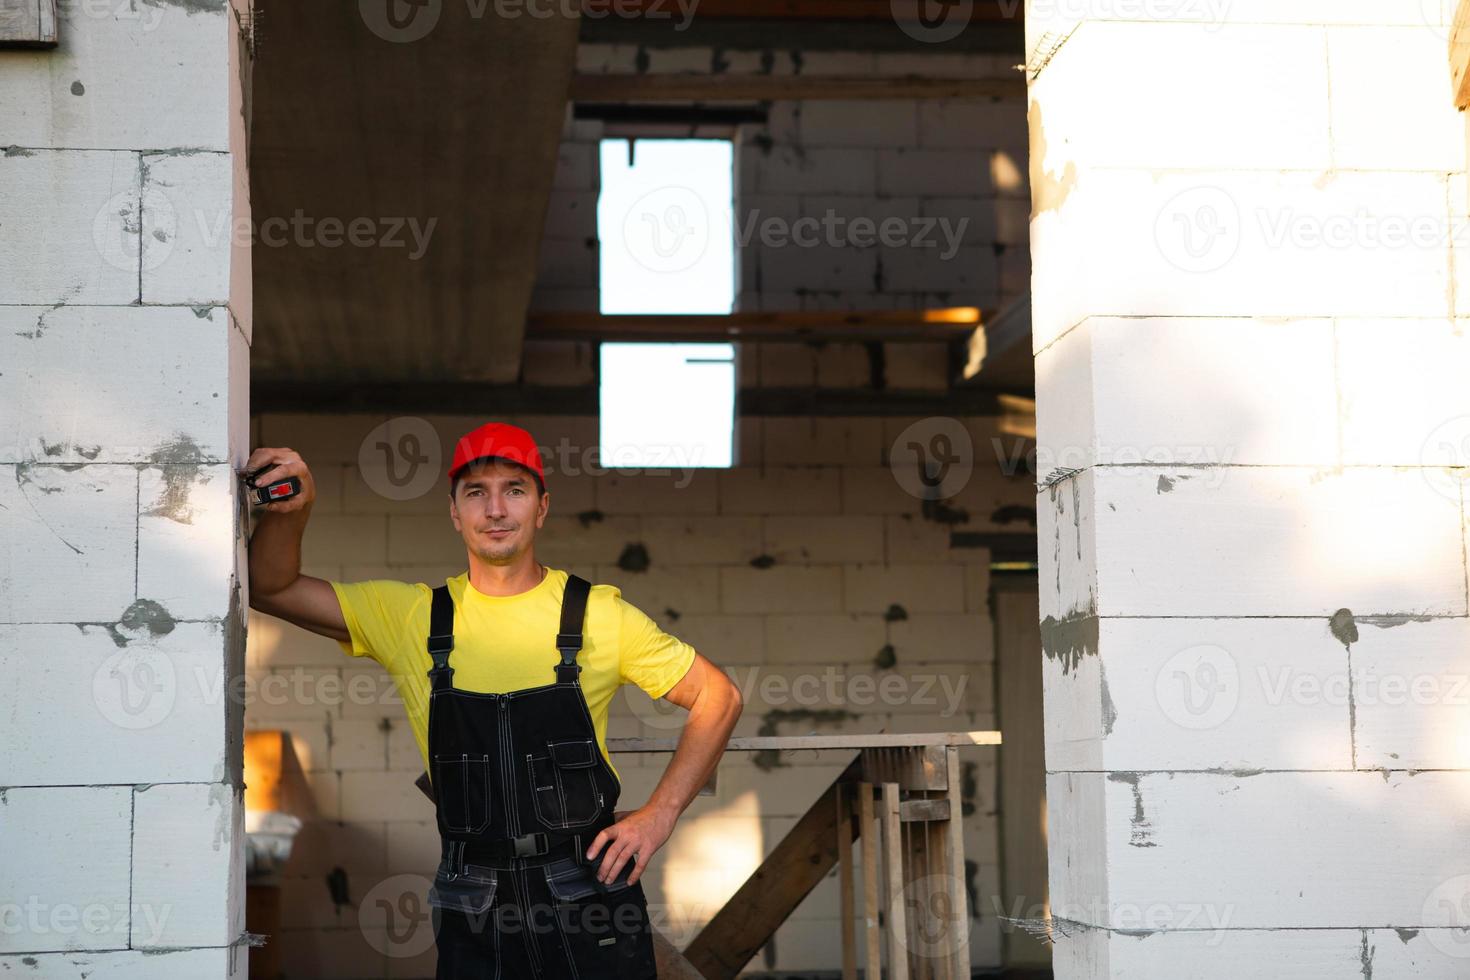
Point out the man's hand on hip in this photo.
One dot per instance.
(634, 836)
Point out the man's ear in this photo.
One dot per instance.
(541, 511)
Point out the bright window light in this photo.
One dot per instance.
(667, 405)
(665, 226)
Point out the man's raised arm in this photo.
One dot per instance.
(277, 586)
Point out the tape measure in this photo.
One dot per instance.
(271, 492)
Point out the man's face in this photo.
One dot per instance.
(497, 509)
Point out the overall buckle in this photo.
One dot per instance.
(529, 845)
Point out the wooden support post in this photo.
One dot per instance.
(27, 23)
(955, 853)
(844, 875)
(898, 939)
(867, 828)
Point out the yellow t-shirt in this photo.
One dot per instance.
(506, 643)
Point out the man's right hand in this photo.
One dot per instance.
(279, 464)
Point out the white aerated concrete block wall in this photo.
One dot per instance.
(1250, 359)
(124, 359)
(792, 572)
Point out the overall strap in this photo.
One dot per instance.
(569, 639)
(441, 639)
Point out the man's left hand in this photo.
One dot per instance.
(634, 835)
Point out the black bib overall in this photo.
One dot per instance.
(520, 790)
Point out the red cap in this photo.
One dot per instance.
(500, 441)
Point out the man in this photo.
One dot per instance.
(506, 672)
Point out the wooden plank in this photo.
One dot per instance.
(856, 740)
(920, 811)
(1460, 55)
(844, 881)
(898, 941)
(916, 325)
(867, 822)
(28, 23)
(913, 768)
(796, 865)
(755, 88)
(955, 874)
(1022, 775)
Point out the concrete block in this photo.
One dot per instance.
(66, 867)
(951, 173)
(797, 268)
(383, 795)
(1283, 541)
(686, 589)
(1067, 551)
(1238, 245)
(1402, 402)
(1389, 110)
(74, 220)
(1411, 683)
(859, 123)
(927, 637)
(722, 639)
(567, 541)
(875, 490)
(66, 400)
(323, 439)
(665, 490)
(792, 170)
(358, 538)
(75, 96)
(186, 538)
(185, 862)
(52, 540)
(1277, 118)
(1008, 174)
(778, 490)
(1175, 693)
(782, 589)
(796, 440)
(824, 538)
(933, 264)
(553, 363)
(576, 167)
(1219, 392)
(786, 365)
(571, 218)
(358, 744)
(918, 588)
(844, 365)
(1259, 848)
(182, 964)
(188, 227)
(916, 367)
(823, 637)
(969, 123)
(700, 540)
(157, 699)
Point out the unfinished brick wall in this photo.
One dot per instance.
(124, 350)
(788, 566)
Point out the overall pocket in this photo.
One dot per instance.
(462, 787)
(564, 784)
(470, 892)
